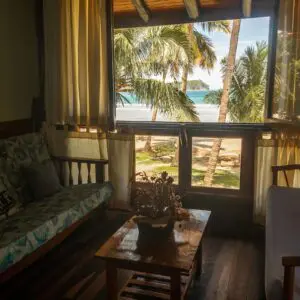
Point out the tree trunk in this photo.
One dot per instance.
(184, 78)
(213, 160)
(185, 70)
(147, 146)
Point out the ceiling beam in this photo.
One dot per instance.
(247, 8)
(142, 9)
(192, 9)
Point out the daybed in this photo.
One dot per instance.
(32, 227)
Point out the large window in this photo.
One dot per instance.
(175, 73)
(170, 87)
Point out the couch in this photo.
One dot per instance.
(33, 225)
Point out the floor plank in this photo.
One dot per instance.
(232, 269)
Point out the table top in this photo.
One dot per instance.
(177, 252)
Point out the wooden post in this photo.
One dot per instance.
(175, 286)
(111, 281)
(110, 65)
(288, 283)
(199, 262)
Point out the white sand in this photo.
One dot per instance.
(139, 112)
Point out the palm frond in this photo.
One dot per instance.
(205, 54)
(165, 97)
(221, 26)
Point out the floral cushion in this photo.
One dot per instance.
(8, 198)
(27, 230)
(20, 152)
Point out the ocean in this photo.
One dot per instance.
(140, 112)
(196, 96)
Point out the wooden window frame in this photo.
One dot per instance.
(246, 132)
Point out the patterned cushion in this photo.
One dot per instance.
(27, 230)
(20, 152)
(42, 179)
(8, 198)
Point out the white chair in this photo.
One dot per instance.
(282, 277)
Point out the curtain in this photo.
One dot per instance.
(121, 167)
(285, 102)
(264, 160)
(76, 82)
(274, 149)
(76, 91)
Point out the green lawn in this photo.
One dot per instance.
(222, 178)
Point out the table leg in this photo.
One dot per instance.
(175, 286)
(199, 262)
(111, 281)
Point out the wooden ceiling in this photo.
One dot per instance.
(127, 6)
(129, 13)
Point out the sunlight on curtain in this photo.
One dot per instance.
(121, 167)
(274, 149)
(265, 159)
(76, 84)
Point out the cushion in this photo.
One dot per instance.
(282, 237)
(42, 179)
(20, 152)
(27, 230)
(8, 198)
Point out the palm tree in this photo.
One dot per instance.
(203, 54)
(247, 92)
(212, 164)
(141, 53)
(200, 52)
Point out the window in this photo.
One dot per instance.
(228, 167)
(177, 108)
(156, 154)
(171, 82)
(284, 94)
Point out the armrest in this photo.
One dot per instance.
(81, 160)
(99, 168)
(289, 263)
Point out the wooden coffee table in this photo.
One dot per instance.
(163, 269)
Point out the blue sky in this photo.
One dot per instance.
(252, 30)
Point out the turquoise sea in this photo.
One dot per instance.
(140, 112)
(196, 96)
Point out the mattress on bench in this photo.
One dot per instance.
(27, 230)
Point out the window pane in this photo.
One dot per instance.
(156, 154)
(158, 78)
(228, 168)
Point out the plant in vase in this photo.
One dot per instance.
(157, 204)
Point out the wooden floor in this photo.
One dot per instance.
(232, 269)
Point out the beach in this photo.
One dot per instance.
(140, 112)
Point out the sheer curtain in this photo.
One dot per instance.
(274, 149)
(76, 90)
(265, 158)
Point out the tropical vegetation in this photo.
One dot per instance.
(224, 100)
(247, 91)
(154, 64)
(144, 54)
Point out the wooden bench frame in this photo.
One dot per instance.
(289, 262)
(60, 162)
